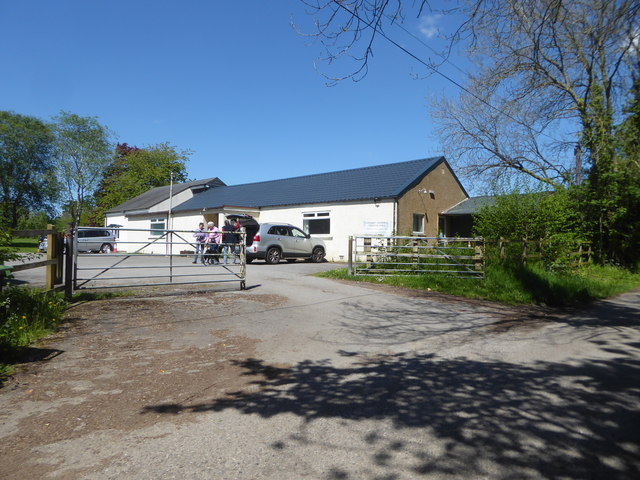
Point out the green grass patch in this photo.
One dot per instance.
(517, 284)
(26, 315)
(92, 296)
(24, 245)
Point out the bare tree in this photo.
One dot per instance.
(551, 58)
(540, 64)
(348, 29)
(489, 144)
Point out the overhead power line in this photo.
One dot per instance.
(426, 64)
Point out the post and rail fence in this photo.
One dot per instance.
(452, 257)
(58, 267)
(580, 252)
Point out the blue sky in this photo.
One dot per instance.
(231, 81)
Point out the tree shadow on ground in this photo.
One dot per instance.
(543, 420)
(571, 420)
(459, 321)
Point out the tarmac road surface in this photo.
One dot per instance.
(303, 377)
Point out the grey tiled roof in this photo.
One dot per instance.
(470, 205)
(156, 195)
(381, 181)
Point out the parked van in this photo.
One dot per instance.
(95, 240)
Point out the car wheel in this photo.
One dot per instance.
(106, 248)
(317, 255)
(273, 256)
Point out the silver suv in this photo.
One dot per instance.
(276, 241)
(95, 240)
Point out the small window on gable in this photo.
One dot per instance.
(418, 223)
(157, 227)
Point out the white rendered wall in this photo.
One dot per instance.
(178, 198)
(115, 219)
(346, 219)
(136, 237)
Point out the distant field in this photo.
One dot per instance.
(25, 245)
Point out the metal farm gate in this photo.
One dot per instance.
(136, 258)
(393, 255)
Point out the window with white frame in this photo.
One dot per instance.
(157, 227)
(316, 223)
(418, 223)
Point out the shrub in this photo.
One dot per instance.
(552, 220)
(26, 315)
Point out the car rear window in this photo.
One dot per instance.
(93, 233)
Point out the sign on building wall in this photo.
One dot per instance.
(376, 228)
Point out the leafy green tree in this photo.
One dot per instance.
(611, 195)
(26, 162)
(83, 149)
(34, 221)
(7, 252)
(629, 130)
(136, 170)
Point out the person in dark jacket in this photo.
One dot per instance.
(230, 241)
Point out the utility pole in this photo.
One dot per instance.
(170, 217)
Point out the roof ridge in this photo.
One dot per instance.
(370, 167)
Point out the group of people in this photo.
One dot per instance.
(213, 242)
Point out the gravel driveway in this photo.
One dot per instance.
(302, 377)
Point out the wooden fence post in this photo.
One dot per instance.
(580, 255)
(478, 257)
(60, 257)
(68, 269)
(501, 248)
(52, 251)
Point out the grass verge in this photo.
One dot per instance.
(26, 315)
(517, 284)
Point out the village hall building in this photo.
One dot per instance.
(405, 198)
